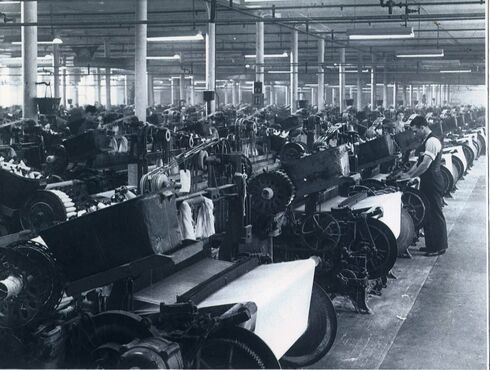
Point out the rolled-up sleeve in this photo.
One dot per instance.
(432, 147)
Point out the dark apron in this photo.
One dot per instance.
(432, 186)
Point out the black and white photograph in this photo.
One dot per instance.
(244, 184)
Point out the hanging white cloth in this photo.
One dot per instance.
(205, 219)
(186, 222)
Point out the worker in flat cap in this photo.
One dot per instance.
(428, 169)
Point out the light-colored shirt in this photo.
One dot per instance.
(432, 147)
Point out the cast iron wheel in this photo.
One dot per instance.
(407, 232)
(413, 200)
(235, 348)
(478, 149)
(41, 290)
(381, 256)
(458, 163)
(42, 210)
(481, 141)
(469, 155)
(320, 334)
(102, 334)
(320, 232)
(291, 151)
(448, 179)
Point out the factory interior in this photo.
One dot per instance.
(245, 184)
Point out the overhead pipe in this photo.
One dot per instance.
(279, 21)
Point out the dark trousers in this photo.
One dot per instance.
(435, 229)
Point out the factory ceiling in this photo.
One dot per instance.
(88, 27)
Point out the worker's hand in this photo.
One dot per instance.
(403, 176)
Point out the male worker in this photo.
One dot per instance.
(428, 168)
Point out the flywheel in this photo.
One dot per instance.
(30, 284)
(292, 151)
(45, 209)
(271, 192)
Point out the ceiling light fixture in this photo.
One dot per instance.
(355, 71)
(283, 55)
(380, 33)
(278, 72)
(457, 71)
(197, 37)
(172, 57)
(434, 53)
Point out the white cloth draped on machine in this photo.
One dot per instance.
(203, 227)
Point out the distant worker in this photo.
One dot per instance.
(399, 123)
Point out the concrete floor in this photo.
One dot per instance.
(434, 316)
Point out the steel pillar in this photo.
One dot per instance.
(211, 63)
(259, 52)
(385, 84)
(294, 71)
(140, 80)
(107, 54)
(321, 75)
(342, 80)
(29, 59)
(359, 86)
(373, 82)
(56, 71)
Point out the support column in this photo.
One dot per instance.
(342, 80)
(333, 96)
(404, 94)
(294, 71)
(410, 95)
(172, 91)
(64, 87)
(385, 84)
(448, 93)
(98, 86)
(225, 95)
(234, 94)
(126, 94)
(29, 59)
(56, 71)
(359, 86)
(321, 75)
(140, 81)
(373, 82)
(107, 54)
(239, 92)
(211, 56)
(395, 93)
(286, 95)
(191, 102)
(259, 53)
(313, 97)
(151, 91)
(181, 87)
(75, 78)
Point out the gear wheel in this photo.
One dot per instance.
(30, 284)
(271, 192)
